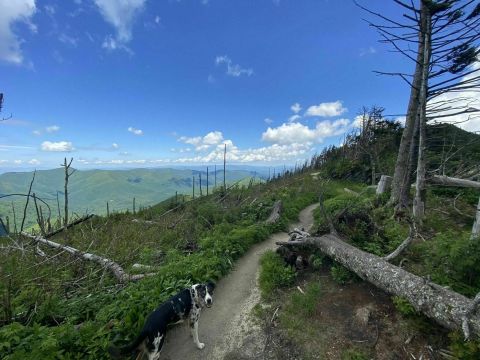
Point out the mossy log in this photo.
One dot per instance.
(447, 308)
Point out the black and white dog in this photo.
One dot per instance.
(186, 304)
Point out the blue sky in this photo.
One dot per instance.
(146, 83)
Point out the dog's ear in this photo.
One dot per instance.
(210, 286)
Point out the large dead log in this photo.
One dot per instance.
(446, 307)
(115, 269)
(275, 214)
(451, 181)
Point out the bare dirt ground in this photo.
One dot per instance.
(228, 329)
(356, 317)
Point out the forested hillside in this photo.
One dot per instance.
(90, 190)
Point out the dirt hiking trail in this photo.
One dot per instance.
(227, 329)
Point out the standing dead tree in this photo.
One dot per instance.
(224, 169)
(446, 35)
(476, 224)
(68, 173)
(367, 142)
(26, 202)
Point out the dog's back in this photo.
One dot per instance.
(152, 336)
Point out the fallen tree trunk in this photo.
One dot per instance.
(275, 214)
(451, 181)
(115, 269)
(73, 223)
(446, 307)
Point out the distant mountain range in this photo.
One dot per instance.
(89, 190)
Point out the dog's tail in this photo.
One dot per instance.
(119, 352)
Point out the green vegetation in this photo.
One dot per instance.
(274, 274)
(403, 306)
(353, 354)
(341, 274)
(65, 308)
(90, 190)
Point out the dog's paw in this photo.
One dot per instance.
(200, 346)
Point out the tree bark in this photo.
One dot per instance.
(401, 177)
(476, 224)
(446, 307)
(420, 189)
(384, 184)
(275, 214)
(115, 269)
(451, 181)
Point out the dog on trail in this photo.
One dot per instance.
(187, 304)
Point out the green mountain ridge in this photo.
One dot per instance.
(89, 190)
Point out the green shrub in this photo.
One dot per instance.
(465, 350)
(353, 354)
(453, 260)
(317, 261)
(403, 306)
(274, 273)
(341, 274)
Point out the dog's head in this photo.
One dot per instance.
(203, 294)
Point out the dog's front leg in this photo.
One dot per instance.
(194, 328)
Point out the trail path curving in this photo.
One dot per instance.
(227, 329)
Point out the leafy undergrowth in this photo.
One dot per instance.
(65, 308)
(444, 253)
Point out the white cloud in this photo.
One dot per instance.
(275, 152)
(461, 100)
(60, 146)
(110, 44)
(296, 108)
(157, 19)
(268, 120)
(34, 162)
(234, 70)
(203, 143)
(8, 147)
(294, 118)
(135, 131)
(294, 133)
(36, 132)
(10, 13)
(115, 146)
(326, 109)
(17, 162)
(401, 119)
(52, 128)
(368, 51)
(66, 39)
(121, 15)
(50, 9)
